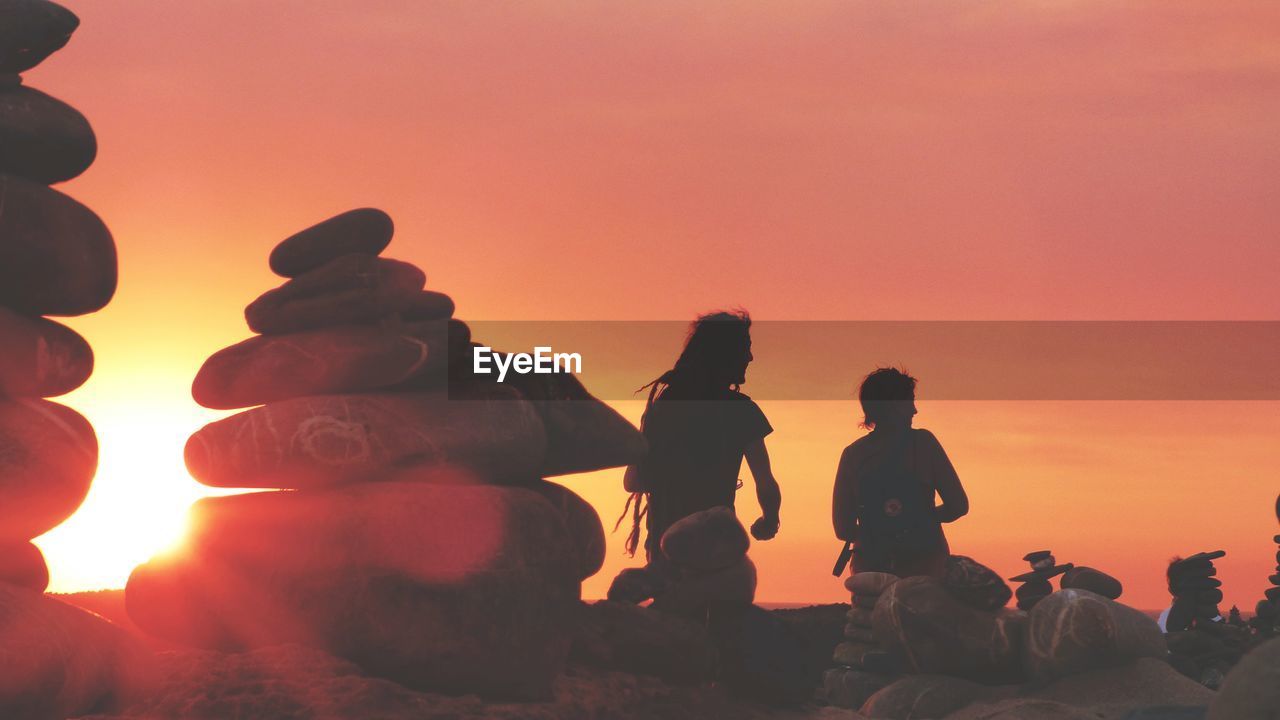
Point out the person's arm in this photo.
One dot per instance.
(844, 499)
(767, 491)
(955, 502)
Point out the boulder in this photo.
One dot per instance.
(56, 256)
(586, 532)
(41, 358)
(621, 636)
(583, 434)
(975, 584)
(922, 623)
(1074, 631)
(23, 564)
(337, 439)
(366, 231)
(460, 589)
(706, 541)
(59, 661)
(43, 139)
(32, 30)
(869, 584)
(346, 359)
(762, 658)
(48, 455)
(697, 596)
(350, 290)
(1252, 688)
(1095, 581)
(848, 688)
(1023, 709)
(1142, 683)
(923, 696)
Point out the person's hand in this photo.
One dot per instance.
(764, 528)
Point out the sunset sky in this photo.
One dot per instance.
(891, 160)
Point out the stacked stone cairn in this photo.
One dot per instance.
(862, 667)
(1266, 619)
(1196, 591)
(56, 258)
(1035, 584)
(410, 529)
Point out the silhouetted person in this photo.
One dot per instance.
(699, 427)
(885, 488)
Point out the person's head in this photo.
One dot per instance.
(717, 350)
(888, 398)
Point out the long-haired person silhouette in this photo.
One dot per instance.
(883, 501)
(700, 426)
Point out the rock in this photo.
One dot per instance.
(859, 616)
(59, 661)
(48, 454)
(41, 358)
(586, 532)
(336, 439)
(853, 653)
(1074, 631)
(583, 434)
(1168, 712)
(350, 290)
(724, 590)
(366, 231)
(975, 584)
(1030, 593)
(347, 359)
(56, 256)
(869, 584)
(461, 589)
(762, 657)
(706, 541)
(923, 696)
(1142, 683)
(622, 636)
(635, 585)
(43, 139)
(848, 688)
(428, 305)
(858, 633)
(23, 564)
(922, 623)
(1095, 581)
(1252, 688)
(32, 30)
(1023, 709)
(865, 602)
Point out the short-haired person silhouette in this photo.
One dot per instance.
(699, 427)
(885, 488)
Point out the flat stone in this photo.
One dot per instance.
(23, 565)
(1096, 581)
(1073, 631)
(42, 138)
(859, 616)
(621, 636)
(1044, 573)
(848, 688)
(60, 661)
(586, 532)
(428, 305)
(56, 256)
(869, 584)
(706, 541)
(726, 590)
(859, 633)
(366, 231)
(32, 31)
(852, 653)
(351, 290)
(48, 455)
(41, 358)
(347, 359)
(339, 439)
(458, 589)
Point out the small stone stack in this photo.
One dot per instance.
(708, 571)
(56, 258)
(1266, 617)
(1035, 584)
(1196, 592)
(413, 532)
(862, 666)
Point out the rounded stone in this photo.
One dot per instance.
(366, 231)
(56, 255)
(1096, 581)
(727, 590)
(923, 696)
(32, 31)
(493, 437)
(1073, 631)
(869, 584)
(706, 541)
(23, 564)
(42, 138)
(351, 290)
(1252, 688)
(586, 532)
(975, 584)
(41, 358)
(48, 455)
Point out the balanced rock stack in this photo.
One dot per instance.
(1269, 608)
(1035, 584)
(862, 667)
(1196, 592)
(709, 571)
(414, 534)
(56, 258)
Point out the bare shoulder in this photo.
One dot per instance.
(926, 439)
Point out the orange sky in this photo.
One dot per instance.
(835, 160)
